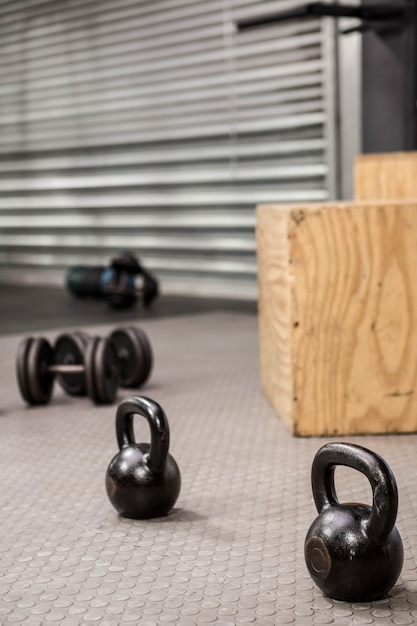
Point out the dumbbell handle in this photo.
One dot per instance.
(67, 369)
(79, 368)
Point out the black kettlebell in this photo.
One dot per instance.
(142, 480)
(353, 551)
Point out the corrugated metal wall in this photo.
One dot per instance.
(155, 127)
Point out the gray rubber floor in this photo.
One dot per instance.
(231, 552)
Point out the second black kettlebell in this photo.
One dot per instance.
(143, 480)
(353, 552)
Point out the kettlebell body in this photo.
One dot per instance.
(353, 552)
(142, 480)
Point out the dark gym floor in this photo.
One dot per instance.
(231, 551)
(25, 308)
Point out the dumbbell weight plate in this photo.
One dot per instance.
(69, 349)
(102, 371)
(35, 381)
(22, 369)
(135, 353)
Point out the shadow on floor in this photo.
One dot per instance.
(27, 308)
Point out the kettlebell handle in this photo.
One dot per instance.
(376, 470)
(158, 423)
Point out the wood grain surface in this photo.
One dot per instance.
(338, 316)
(386, 176)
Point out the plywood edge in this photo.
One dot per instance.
(275, 309)
(318, 207)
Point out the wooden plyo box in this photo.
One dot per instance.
(390, 175)
(338, 316)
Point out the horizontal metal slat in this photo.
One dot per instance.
(219, 151)
(169, 134)
(181, 197)
(166, 261)
(178, 220)
(198, 242)
(188, 176)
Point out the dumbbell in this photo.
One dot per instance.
(84, 365)
(36, 369)
(133, 352)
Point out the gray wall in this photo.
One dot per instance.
(156, 127)
(390, 83)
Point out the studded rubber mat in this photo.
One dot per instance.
(231, 551)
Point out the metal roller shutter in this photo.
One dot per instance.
(156, 127)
